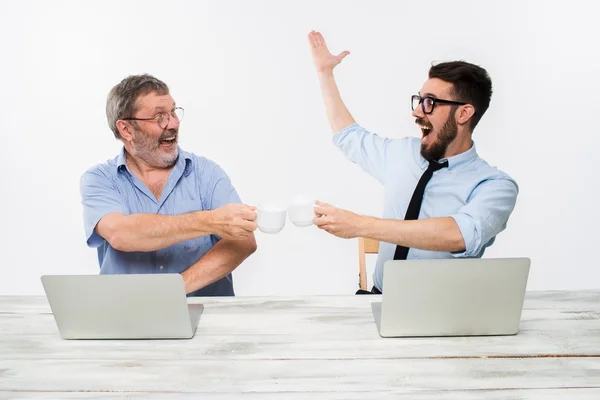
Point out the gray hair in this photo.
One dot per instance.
(121, 100)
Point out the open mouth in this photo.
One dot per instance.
(168, 141)
(425, 130)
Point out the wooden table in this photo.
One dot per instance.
(319, 347)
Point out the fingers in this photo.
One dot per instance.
(320, 211)
(312, 39)
(316, 39)
(322, 221)
(319, 223)
(243, 211)
(240, 230)
(248, 226)
(324, 204)
(320, 39)
(323, 208)
(328, 228)
(248, 214)
(343, 54)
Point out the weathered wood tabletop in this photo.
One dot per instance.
(318, 347)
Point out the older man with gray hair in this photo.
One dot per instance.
(155, 208)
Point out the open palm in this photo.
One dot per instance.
(323, 59)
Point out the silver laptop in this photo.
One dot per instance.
(125, 306)
(452, 297)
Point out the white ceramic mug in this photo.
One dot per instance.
(270, 217)
(301, 211)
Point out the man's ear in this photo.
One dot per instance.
(125, 129)
(464, 114)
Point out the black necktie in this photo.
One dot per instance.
(414, 207)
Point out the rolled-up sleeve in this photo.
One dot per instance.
(485, 215)
(99, 197)
(219, 191)
(368, 150)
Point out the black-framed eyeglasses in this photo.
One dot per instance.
(428, 103)
(162, 119)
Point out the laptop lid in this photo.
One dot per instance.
(452, 297)
(124, 306)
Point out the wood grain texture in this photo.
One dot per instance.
(317, 347)
(512, 394)
(365, 246)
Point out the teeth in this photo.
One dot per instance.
(425, 127)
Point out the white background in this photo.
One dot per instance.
(243, 72)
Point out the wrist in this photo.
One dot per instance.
(206, 222)
(325, 74)
(186, 281)
(364, 226)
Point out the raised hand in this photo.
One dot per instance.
(324, 61)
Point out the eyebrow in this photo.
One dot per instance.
(158, 108)
(429, 95)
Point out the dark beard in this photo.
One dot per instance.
(447, 134)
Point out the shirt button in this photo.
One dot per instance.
(161, 267)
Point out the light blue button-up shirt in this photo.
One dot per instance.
(478, 196)
(194, 184)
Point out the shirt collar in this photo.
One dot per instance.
(462, 159)
(458, 161)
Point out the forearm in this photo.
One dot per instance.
(434, 234)
(338, 115)
(151, 232)
(219, 261)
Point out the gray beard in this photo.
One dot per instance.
(146, 149)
